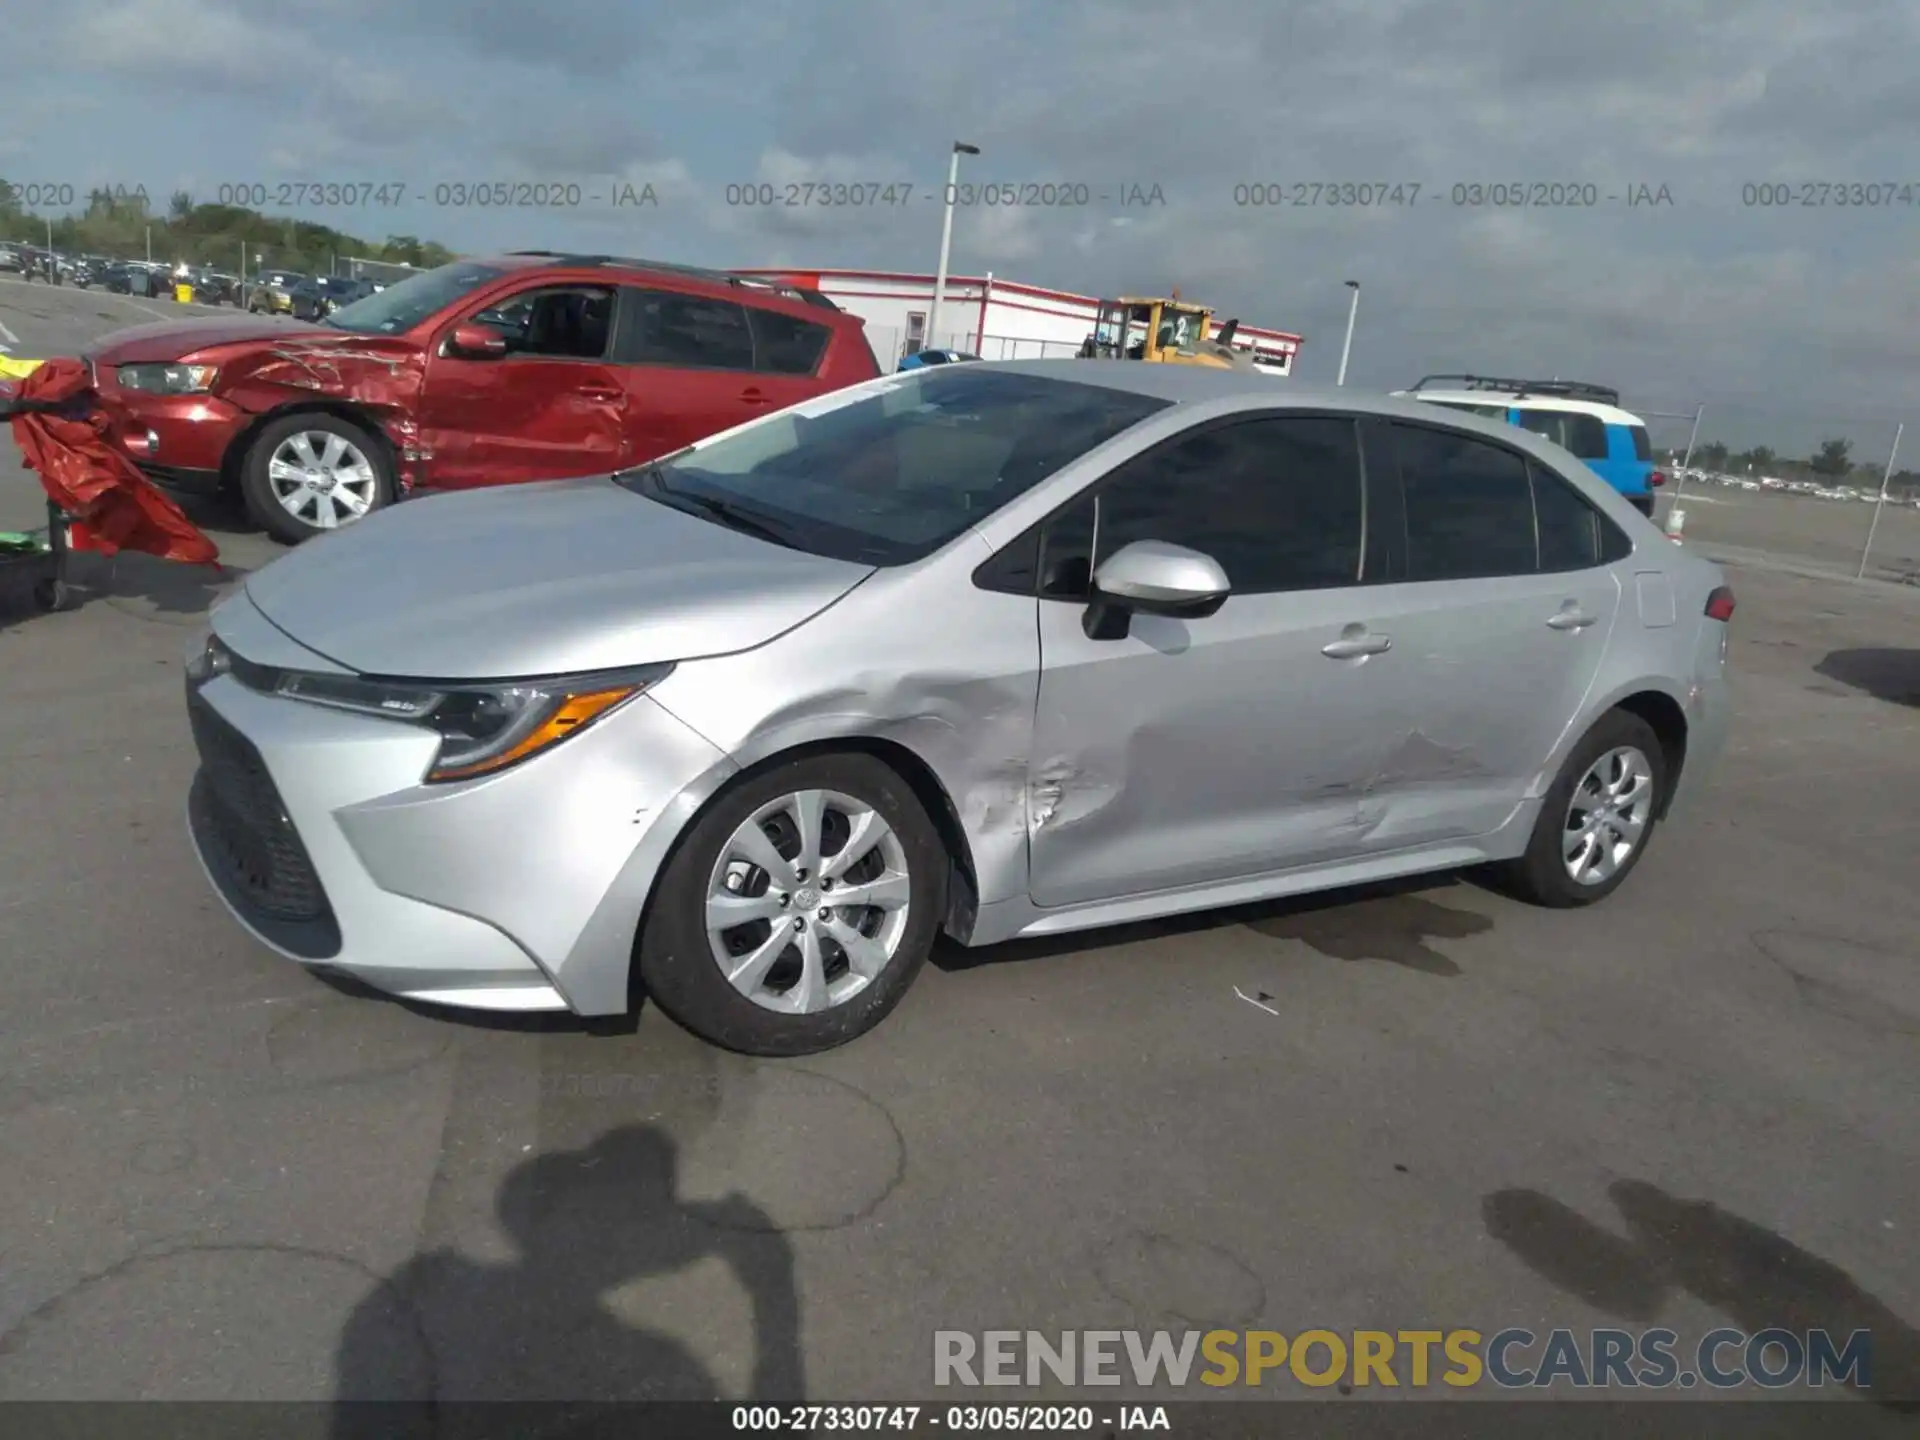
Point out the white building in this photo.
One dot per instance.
(992, 318)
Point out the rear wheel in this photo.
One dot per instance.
(307, 475)
(798, 909)
(1595, 822)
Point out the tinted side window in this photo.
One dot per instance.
(1642, 446)
(1583, 436)
(783, 345)
(1278, 503)
(663, 327)
(1569, 527)
(1469, 506)
(566, 323)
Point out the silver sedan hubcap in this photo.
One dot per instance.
(1607, 817)
(807, 902)
(322, 478)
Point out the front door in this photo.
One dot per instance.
(686, 362)
(1192, 752)
(554, 406)
(1501, 625)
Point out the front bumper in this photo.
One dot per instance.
(519, 891)
(170, 435)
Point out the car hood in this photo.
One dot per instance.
(176, 339)
(547, 579)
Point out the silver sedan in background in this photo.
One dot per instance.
(988, 650)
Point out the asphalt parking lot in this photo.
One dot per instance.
(1425, 1107)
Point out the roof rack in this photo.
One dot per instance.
(1565, 389)
(694, 272)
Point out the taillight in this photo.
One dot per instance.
(1656, 478)
(1720, 604)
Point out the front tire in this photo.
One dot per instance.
(311, 474)
(1596, 821)
(797, 909)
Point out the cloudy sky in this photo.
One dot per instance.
(1787, 323)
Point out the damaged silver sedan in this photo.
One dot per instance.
(983, 651)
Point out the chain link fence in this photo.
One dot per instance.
(1823, 490)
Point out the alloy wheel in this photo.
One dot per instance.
(807, 902)
(322, 479)
(1607, 816)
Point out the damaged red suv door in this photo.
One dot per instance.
(545, 405)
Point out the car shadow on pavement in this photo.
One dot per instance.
(1757, 1279)
(447, 1337)
(1886, 674)
(1389, 920)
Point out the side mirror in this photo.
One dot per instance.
(1153, 577)
(476, 342)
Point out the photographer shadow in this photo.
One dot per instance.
(449, 1345)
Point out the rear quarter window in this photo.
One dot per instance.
(786, 345)
(1642, 445)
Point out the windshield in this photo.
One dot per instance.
(400, 307)
(886, 474)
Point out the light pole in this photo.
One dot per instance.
(1881, 503)
(960, 147)
(1353, 310)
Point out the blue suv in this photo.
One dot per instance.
(1584, 420)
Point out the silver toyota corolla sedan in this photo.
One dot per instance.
(979, 650)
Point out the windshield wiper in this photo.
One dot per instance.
(735, 518)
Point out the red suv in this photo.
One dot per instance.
(529, 366)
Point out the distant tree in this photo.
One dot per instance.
(9, 200)
(1712, 455)
(1834, 459)
(180, 207)
(1761, 458)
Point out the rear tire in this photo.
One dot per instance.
(352, 470)
(859, 801)
(1593, 835)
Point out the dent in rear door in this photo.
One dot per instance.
(686, 362)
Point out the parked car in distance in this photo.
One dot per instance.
(997, 650)
(214, 287)
(271, 291)
(1584, 420)
(483, 372)
(319, 297)
(935, 357)
(13, 258)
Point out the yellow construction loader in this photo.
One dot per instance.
(1167, 331)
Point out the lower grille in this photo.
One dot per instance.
(244, 828)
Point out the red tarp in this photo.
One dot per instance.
(113, 505)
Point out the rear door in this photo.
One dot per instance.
(1500, 627)
(687, 364)
(551, 408)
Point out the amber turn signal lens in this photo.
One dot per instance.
(571, 714)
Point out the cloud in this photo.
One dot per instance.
(1706, 296)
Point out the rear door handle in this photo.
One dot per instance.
(604, 396)
(1572, 620)
(1355, 646)
(753, 396)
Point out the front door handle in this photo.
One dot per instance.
(1355, 647)
(602, 394)
(753, 396)
(1572, 620)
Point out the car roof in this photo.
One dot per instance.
(1201, 384)
(694, 275)
(1610, 414)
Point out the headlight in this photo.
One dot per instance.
(168, 379)
(482, 728)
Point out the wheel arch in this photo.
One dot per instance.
(963, 885)
(362, 417)
(1667, 718)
